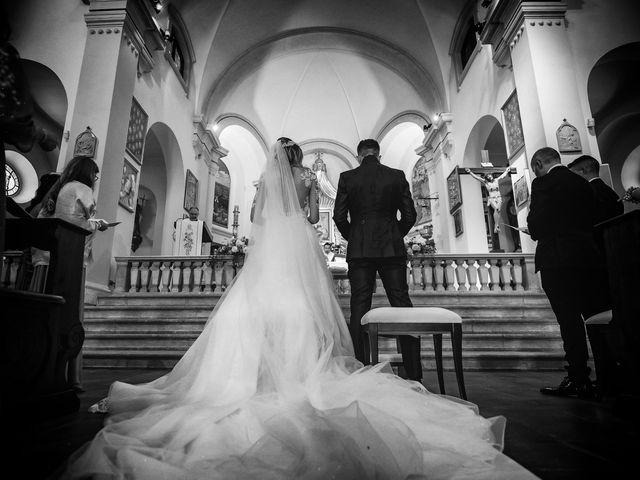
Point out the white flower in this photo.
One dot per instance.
(234, 249)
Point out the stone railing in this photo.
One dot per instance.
(470, 273)
(162, 274)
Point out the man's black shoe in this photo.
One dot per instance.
(571, 388)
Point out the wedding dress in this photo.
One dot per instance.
(271, 390)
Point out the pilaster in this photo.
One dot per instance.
(120, 39)
(531, 38)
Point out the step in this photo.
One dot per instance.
(183, 340)
(522, 360)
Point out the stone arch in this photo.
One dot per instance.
(50, 112)
(227, 119)
(161, 161)
(245, 162)
(487, 135)
(615, 106)
(329, 38)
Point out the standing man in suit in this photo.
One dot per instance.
(372, 195)
(561, 219)
(608, 204)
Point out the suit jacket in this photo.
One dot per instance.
(561, 218)
(372, 194)
(608, 204)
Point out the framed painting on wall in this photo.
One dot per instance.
(127, 197)
(137, 131)
(221, 205)
(521, 191)
(190, 191)
(454, 190)
(457, 222)
(513, 125)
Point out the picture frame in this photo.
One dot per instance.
(457, 222)
(128, 196)
(220, 215)
(454, 190)
(190, 191)
(137, 131)
(521, 191)
(513, 125)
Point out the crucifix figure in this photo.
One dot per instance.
(494, 200)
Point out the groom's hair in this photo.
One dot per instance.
(369, 145)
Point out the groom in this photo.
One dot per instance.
(371, 195)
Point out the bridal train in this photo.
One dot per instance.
(271, 390)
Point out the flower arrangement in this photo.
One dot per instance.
(421, 243)
(234, 246)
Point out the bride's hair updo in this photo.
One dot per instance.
(294, 152)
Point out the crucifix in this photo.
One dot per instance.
(487, 176)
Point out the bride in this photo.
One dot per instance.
(271, 390)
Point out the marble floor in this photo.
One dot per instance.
(555, 438)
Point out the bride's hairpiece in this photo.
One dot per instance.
(286, 142)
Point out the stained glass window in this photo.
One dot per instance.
(13, 181)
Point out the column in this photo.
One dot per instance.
(531, 37)
(115, 53)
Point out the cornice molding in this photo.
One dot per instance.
(205, 143)
(506, 23)
(134, 19)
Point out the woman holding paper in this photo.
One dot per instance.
(71, 199)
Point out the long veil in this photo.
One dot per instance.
(270, 389)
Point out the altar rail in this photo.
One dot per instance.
(441, 272)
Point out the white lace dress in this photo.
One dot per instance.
(270, 389)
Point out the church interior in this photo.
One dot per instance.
(179, 102)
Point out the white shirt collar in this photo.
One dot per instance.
(594, 178)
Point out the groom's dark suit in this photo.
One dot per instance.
(372, 194)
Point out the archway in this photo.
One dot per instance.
(154, 217)
(50, 111)
(244, 163)
(486, 148)
(615, 106)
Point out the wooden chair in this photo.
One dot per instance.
(393, 321)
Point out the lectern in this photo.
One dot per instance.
(621, 240)
(190, 236)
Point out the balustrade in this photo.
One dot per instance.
(464, 273)
(194, 274)
(473, 272)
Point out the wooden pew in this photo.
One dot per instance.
(41, 332)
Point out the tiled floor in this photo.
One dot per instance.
(555, 438)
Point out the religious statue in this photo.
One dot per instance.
(494, 200)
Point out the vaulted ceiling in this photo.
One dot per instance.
(339, 69)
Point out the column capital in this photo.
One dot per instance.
(437, 140)
(134, 18)
(505, 23)
(205, 144)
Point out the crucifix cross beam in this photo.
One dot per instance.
(485, 170)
